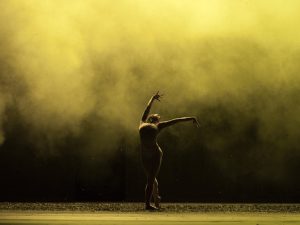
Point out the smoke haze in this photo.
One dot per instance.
(86, 69)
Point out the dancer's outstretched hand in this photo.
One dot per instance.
(195, 121)
(157, 96)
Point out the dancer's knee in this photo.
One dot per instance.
(150, 180)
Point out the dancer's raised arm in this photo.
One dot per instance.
(168, 123)
(157, 96)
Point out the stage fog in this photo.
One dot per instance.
(75, 77)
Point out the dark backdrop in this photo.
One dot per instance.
(246, 170)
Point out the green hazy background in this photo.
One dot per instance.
(85, 69)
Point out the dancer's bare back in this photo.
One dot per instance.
(148, 135)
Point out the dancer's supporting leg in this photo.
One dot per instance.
(155, 194)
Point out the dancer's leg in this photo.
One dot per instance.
(155, 194)
(149, 191)
(152, 167)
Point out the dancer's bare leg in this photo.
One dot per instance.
(152, 168)
(155, 194)
(148, 192)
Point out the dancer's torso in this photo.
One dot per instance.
(148, 135)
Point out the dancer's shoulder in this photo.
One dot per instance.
(147, 126)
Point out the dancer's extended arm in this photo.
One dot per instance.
(147, 110)
(168, 123)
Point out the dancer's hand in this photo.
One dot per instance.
(157, 96)
(195, 121)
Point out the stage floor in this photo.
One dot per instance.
(133, 213)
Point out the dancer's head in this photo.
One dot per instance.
(153, 118)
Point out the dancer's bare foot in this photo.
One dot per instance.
(157, 201)
(151, 208)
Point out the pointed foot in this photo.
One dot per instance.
(157, 201)
(151, 208)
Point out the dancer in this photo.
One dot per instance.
(149, 128)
